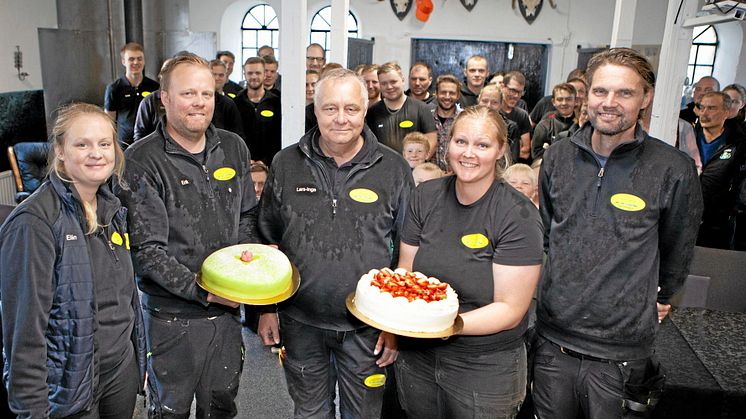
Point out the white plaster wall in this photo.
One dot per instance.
(19, 20)
(730, 52)
(574, 23)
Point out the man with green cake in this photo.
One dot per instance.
(334, 202)
(190, 194)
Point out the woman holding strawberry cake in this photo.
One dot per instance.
(484, 238)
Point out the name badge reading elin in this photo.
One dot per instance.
(406, 123)
(475, 241)
(627, 202)
(224, 173)
(362, 195)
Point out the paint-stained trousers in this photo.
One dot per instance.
(314, 356)
(193, 358)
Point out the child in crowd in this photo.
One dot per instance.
(523, 178)
(415, 148)
(259, 172)
(426, 171)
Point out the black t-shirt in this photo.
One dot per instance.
(391, 127)
(262, 125)
(520, 117)
(459, 244)
(124, 99)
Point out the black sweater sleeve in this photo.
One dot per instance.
(27, 255)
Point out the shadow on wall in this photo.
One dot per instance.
(22, 118)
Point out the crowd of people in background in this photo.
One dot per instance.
(454, 177)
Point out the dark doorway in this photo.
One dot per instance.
(449, 56)
(359, 51)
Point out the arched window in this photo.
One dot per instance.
(702, 54)
(259, 27)
(321, 27)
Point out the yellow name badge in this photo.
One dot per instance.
(406, 123)
(267, 113)
(366, 196)
(117, 239)
(627, 202)
(232, 95)
(145, 94)
(475, 241)
(375, 380)
(224, 173)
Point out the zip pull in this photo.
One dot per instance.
(600, 176)
(113, 252)
(334, 207)
(204, 169)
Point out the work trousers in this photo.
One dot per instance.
(193, 358)
(315, 356)
(447, 384)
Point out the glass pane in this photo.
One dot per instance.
(248, 38)
(702, 71)
(706, 54)
(692, 54)
(319, 24)
(707, 36)
(351, 22)
(275, 41)
(326, 14)
(273, 23)
(318, 38)
(264, 38)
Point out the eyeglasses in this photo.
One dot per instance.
(514, 92)
(315, 59)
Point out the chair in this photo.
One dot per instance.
(727, 272)
(29, 164)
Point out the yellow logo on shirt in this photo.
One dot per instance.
(375, 380)
(224, 173)
(145, 94)
(267, 113)
(365, 196)
(627, 202)
(475, 241)
(117, 239)
(406, 123)
(232, 95)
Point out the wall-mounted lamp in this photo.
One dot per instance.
(18, 62)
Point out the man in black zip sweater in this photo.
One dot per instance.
(621, 211)
(334, 203)
(190, 194)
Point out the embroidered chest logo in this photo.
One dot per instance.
(184, 182)
(70, 237)
(305, 189)
(475, 241)
(727, 153)
(362, 195)
(267, 113)
(406, 123)
(627, 202)
(224, 173)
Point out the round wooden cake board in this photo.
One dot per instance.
(457, 326)
(246, 299)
